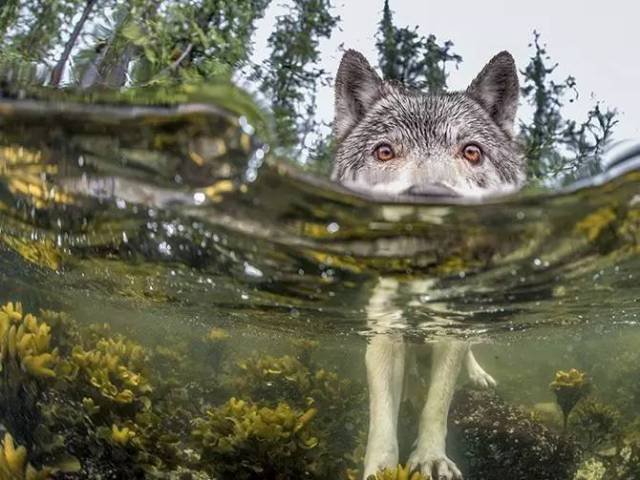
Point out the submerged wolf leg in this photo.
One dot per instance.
(429, 455)
(385, 359)
(478, 376)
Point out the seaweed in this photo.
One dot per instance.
(247, 441)
(500, 441)
(399, 473)
(596, 424)
(569, 387)
(89, 402)
(14, 464)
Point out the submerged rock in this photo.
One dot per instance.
(498, 441)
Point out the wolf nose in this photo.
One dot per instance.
(431, 190)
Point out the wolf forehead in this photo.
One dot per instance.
(426, 120)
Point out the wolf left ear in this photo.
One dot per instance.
(357, 88)
(496, 88)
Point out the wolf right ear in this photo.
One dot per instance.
(496, 88)
(357, 88)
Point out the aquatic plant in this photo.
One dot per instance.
(591, 469)
(596, 222)
(25, 342)
(498, 441)
(272, 378)
(569, 387)
(399, 473)
(595, 424)
(14, 464)
(112, 367)
(243, 439)
(27, 363)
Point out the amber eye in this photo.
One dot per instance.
(384, 152)
(472, 153)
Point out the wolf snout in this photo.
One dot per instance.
(431, 190)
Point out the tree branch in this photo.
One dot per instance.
(58, 70)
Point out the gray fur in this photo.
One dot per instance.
(427, 131)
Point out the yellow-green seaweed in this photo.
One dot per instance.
(25, 341)
(14, 464)
(243, 438)
(569, 387)
(399, 473)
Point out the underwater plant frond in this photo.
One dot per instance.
(569, 387)
(14, 464)
(399, 473)
(25, 342)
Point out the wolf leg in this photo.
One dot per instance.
(429, 455)
(385, 359)
(477, 375)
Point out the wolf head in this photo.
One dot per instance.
(397, 140)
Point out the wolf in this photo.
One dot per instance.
(395, 140)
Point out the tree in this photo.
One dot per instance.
(554, 146)
(290, 76)
(58, 70)
(410, 58)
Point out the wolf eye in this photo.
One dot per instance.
(472, 153)
(384, 152)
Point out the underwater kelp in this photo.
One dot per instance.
(595, 424)
(89, 402)
(14, 464)
(242, 440)
(340, 404)
(569, 387)
(112, 407)
(28, 364)
(499, 441)
(400, 473)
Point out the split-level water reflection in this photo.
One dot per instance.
(215, 300)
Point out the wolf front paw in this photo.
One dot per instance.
(479, 378)
(378, 459)
(434, 466)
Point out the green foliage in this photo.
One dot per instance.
(554, 146)
(289, 78)
(412, 59)
(194, 41)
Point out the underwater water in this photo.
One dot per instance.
(177, 302)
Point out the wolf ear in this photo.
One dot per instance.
(496, 88)
(357, 88)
